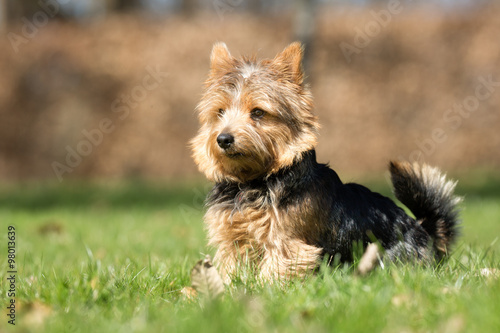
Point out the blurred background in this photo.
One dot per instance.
(107, 89)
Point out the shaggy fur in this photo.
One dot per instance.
(273, 206)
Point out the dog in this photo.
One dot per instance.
(273, 206)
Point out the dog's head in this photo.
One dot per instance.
(256, 116)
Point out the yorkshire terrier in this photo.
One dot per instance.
(273, 206)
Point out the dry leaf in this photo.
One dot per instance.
(206, 280)
(50, 227)
(492, 273)
(35, 313)
(94, 282)
(400, 300)
(369, 260)
(189, 293)
(453, 325)
(448, 290)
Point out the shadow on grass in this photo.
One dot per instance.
(147, 194)
(79, 194)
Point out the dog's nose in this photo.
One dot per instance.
(225, 140)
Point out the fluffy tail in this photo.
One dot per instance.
(427, 193)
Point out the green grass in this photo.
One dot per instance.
(115, 257)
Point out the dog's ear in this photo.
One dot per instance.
(220, 57)
(289, 62)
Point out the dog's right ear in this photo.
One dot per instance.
(220, 57)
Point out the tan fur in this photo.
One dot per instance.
(259, 234)
(261, 238)
(238, 86)
(273, 208)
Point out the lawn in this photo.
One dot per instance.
(104, 257)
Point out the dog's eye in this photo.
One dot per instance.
(257, 113)
(221, 112)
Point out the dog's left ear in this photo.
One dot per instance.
(289, 62)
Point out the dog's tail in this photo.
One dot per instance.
(429, 196)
